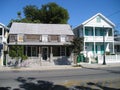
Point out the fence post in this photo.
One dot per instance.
(116, 57)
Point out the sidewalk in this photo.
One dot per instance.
(99, 65)
(57, 67)
(38, 68)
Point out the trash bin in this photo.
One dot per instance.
(80, 58)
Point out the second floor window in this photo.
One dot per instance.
(0, 31)
(89, 31)
(12, 38)
(69, 38)
(32, 37)
(53, 38)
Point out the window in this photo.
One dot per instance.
(89, 31)
(20, 37)
(98, 19)
(54, 38)
(109, 31)
(32, 37)
(63, 38)
(45, 38)
(0, 31)
(99, 31)
(12, 38)
(69, 38)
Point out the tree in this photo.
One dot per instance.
(19, 15)
(48, 13)
(31, 13)
(16, 51)
(77, 44)
(53, 13)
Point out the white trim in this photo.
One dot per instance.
(99, 14)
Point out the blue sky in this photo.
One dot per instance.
(79, 10)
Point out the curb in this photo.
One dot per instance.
(41, 68)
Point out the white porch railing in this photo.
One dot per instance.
(109, 59)
(98, 38)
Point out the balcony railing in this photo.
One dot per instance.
(98, 39)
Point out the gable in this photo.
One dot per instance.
(98, 21)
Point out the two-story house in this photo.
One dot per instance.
(98, 33)
(3, 42)
(44, 41)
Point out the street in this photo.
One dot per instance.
(37, 80)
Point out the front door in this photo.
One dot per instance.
(44, 53)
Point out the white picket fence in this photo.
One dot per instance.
(109, 59)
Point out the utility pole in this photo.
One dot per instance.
(104, 62)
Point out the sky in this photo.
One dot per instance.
(79, 10)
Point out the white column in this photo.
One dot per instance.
(51, 54)
(40, 55)
(113, 40)
(1, 58)
(84, 40)
(2, 34)
(94, 40)
(113, 47)
(94, 49)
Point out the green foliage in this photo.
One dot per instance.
(77, 44)
(52, 13)
(48, 13)
(31, 12)
(24, 57)
(17, 51)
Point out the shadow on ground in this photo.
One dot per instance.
(34, 84)
(62, 61)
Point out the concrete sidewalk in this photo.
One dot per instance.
(38, 68)
(99, 65)
(57, 67)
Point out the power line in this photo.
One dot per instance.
(114, 13)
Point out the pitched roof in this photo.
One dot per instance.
(102, 16)
(98, 14)
(48, 29)
(4, 26)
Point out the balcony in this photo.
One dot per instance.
(98, 39)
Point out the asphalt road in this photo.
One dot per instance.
(19, 79)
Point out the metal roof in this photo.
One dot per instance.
(35, 28)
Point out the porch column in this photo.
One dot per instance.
(1, 58)
(84, 36)
(113, 48)
(94, 49)
(51, 54)
(39, 55)
(26, 50)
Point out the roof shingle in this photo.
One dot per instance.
(48, 29)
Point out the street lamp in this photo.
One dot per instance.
(104, 62)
